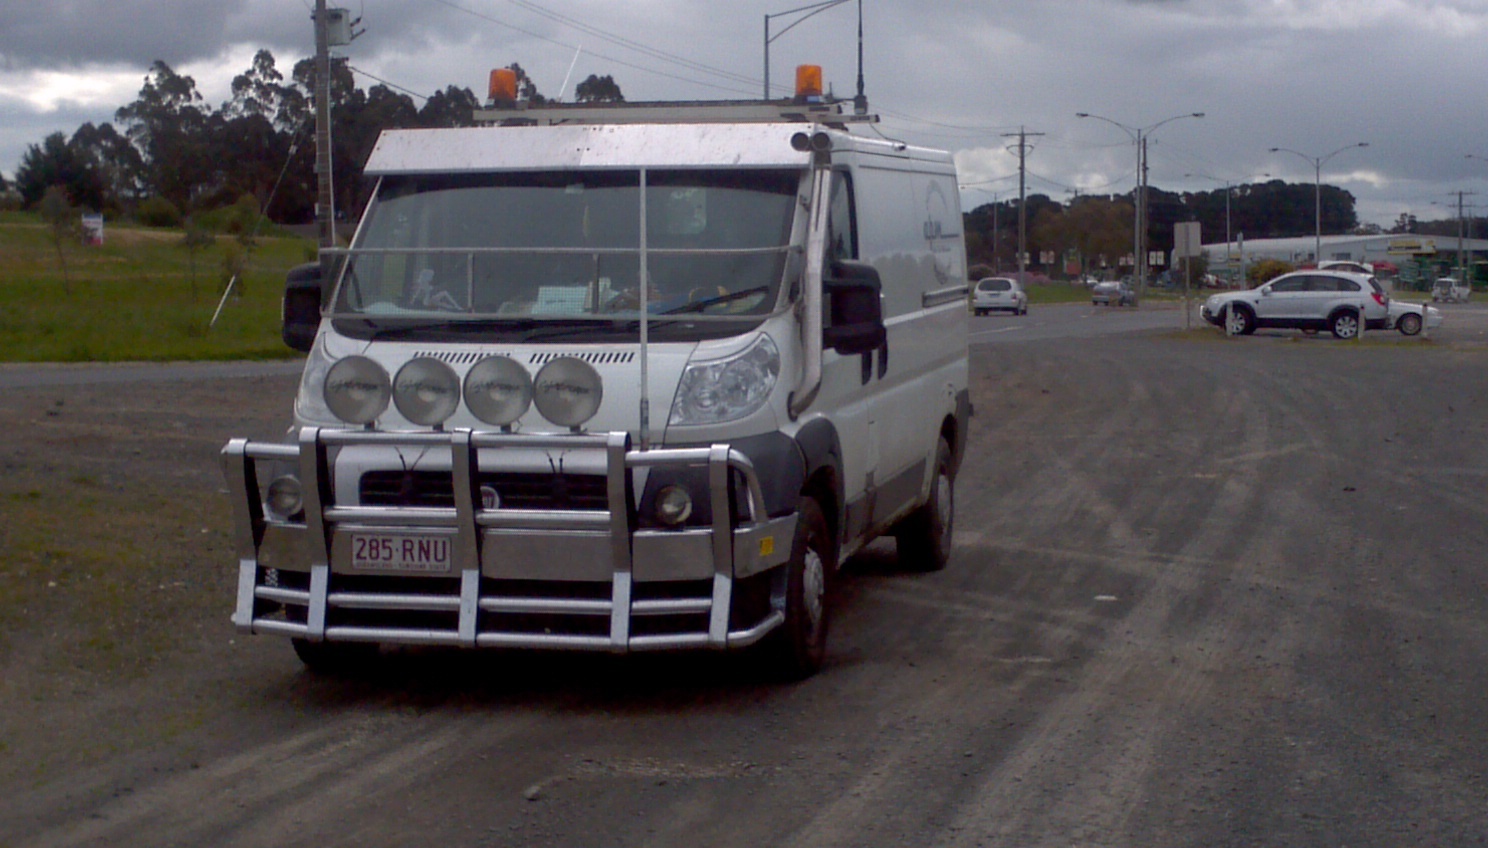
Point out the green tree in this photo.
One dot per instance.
(56, 163)
(1267, 269)
(526, 88)
(168, 125)
(114, 160)
(195, 238)
(453, 107)
(597, 89)
(61, 218)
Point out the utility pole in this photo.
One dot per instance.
(1022, 148)
(1461, 267)
(1140, 271)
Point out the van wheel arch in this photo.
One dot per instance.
(821, 449)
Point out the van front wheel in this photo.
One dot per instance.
(923, 537)
(798, 647)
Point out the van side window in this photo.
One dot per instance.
(842, 233)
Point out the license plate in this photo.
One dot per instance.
(383, 552)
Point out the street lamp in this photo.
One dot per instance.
(1229, 189)
(805, 12)
(1139, 136)
(1317, 191)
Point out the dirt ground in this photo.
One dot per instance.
(1204, 592)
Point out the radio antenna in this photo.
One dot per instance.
(860, 103)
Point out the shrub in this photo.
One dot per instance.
(1266, 270)
(158, 212)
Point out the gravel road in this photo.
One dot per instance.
(1204, 592)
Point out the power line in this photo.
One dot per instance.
(565, 46)
(630, 43)
(393, 86)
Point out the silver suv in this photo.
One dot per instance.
(1337, 301)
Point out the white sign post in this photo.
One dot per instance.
(1187, 245)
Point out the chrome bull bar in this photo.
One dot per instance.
(490, 546)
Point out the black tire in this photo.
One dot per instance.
(923, 538)
(1409, 324)
(1344, 324)
(797, 648)
(335, 659)
(1243, 319)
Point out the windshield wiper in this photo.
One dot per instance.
(402, 330)
(700, 305)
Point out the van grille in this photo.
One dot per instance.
(517, 490)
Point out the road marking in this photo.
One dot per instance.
(1000, 330)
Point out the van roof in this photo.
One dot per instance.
(612, 146)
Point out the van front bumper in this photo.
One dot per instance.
(589, 578)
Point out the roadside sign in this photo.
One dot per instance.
(1186, 240)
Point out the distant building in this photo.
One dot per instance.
(1413, 256)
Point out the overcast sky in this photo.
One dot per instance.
(1406, 76)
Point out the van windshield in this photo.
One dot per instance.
(501, 254)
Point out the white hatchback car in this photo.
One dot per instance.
(999, 294)
(1337, 301)
(1409, 317)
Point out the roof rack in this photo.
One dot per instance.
(829, 112)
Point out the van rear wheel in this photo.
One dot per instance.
(923, 537)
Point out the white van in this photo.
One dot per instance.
(589, 384)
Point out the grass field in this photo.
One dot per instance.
(136, 297)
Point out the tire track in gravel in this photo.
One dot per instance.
(267, 794)
(1016, 792)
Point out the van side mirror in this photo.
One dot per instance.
(854, 309)
(300, 309)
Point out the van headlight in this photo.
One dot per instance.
(727, 389)
(310, 404)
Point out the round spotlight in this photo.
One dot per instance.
(498, 391)
(567, 391)
(426, 391)
(801, 142)
(357, 390)
(821, 142)
(673, 505)
(285, 497)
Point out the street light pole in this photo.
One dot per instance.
(809, 11)
(1229, 189)
(1317, 191)
(1139, 136)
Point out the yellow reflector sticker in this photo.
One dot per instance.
(767, 546)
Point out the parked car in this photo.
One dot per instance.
(1407, 317)
(1336, 301)
(1113, 293)
(1345, 265)
(999, 294)
(1450, 290)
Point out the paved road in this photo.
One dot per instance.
(1203, 593)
